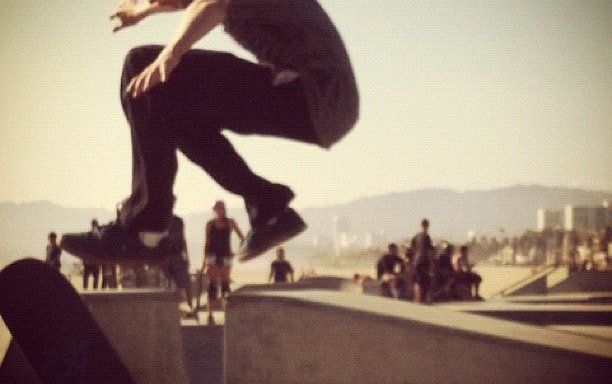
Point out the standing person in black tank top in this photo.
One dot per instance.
(218, 255)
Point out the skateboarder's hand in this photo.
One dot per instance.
(128, 13)
(157, 72)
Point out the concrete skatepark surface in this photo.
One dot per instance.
(337, 337)
(325, 330)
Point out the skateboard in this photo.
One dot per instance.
(200, 287)
(54, 329)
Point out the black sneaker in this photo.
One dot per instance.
(260, 239)
(261, 213)
(115, 245)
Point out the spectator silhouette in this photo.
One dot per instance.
(280, 268)
(53, 252)
(90, 269)
(218, 255)
(177, 269)
(388, 268)
(422, 249)
(464, 274)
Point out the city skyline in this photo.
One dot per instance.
(460, 96)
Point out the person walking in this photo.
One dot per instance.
(218, 256)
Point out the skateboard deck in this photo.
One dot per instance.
(199, 288)
(54, 329)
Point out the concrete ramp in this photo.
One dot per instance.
(559, 280)
(337, 337)
(536, 284)
(541, 313)
(584, 281)
(144, 328)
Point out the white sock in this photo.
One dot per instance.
(152, 239)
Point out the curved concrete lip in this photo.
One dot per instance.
(445, 319)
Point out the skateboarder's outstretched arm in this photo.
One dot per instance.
(201, 16)
(130, 12)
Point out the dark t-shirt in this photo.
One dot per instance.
(280, 269)
(299, 35)
(387, 264)
(421, 244)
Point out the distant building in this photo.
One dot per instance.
(549, 220)
(587, 218)
(341, 233)
(573, 218)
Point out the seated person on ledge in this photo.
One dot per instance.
(388, 268)
(464, 275)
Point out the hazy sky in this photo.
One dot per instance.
(455, 94)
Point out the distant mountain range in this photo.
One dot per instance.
(24, 227)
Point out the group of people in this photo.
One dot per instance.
(427, 274)
(90, 270)
(108, 271)
(217, 265)
(424, 273)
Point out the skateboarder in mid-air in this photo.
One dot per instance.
(177, 98)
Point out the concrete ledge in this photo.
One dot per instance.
(564, 298)
(585, 281)
(600, 332)
(542, 314)
(328, 283)
(144, 328)
(204, 353)
(334, 337)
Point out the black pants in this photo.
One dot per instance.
(90, 270)
(207, 92)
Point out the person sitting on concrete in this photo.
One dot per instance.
(444, 275)
(280, 269)
(464, 275)
(388, 269)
